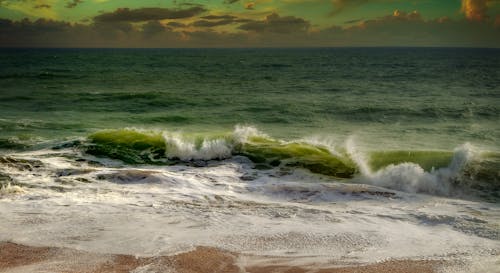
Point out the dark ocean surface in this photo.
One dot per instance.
(395, 97)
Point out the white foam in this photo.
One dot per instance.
(184, 149)
(294, 215)
(411, 177)
(181, 147)
(241, 133)
(9, 189)
(358, 157)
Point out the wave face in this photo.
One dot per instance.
(141, 147)
(434, 172)
(466, 170)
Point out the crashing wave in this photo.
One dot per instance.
(434, 172)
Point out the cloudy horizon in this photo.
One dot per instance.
(242, 23)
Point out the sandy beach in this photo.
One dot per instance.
(21, 258)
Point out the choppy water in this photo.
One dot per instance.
(268, 151)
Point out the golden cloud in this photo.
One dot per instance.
(475, 10)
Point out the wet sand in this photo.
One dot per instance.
(20, 258)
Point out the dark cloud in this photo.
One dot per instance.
(218, 17)
(226, 21)
(277, 24)
(47, 33)
(152, 28)
(207, 23)
(25, 28)
(112, 29)
(188, 4)
(353, 21)
(43, 6)
(176, 24)
(147, 14)
(397, 29)
(72, 4)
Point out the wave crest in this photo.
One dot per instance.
(434, 172)
(456, 178)
(151, 147)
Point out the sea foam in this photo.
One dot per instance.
(411, 177)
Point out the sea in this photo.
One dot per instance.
(354, 155)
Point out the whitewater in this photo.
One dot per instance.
(204, 191)
(306, 157)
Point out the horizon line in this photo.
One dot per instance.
(257, 47)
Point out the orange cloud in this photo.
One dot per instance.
(414, 15)
(250, 5)
(475, 10)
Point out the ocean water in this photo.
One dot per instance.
(355, 154)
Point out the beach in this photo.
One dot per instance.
(19, 258)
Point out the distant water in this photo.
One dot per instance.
(294, 140)
(397, 98)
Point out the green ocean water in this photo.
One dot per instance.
(306, 106)
(386, 97)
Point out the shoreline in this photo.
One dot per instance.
(22, 258)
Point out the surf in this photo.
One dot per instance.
(429, 171)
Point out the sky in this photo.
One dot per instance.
(249, 23)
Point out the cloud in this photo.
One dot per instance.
(475, 10)
(174, 24)
(218, 17)
(50, 33)
(73, 3)
(397, 29)
(410, 29)
(147, 14)
(250, 5)
(42, 6)
(34, 27)
(353, 21)
(213, 21)
(277, 24)
(112, 29)
(207, 23)
(152, 28)
(397, 14)
(34, 8)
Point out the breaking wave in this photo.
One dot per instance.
(433, 172)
